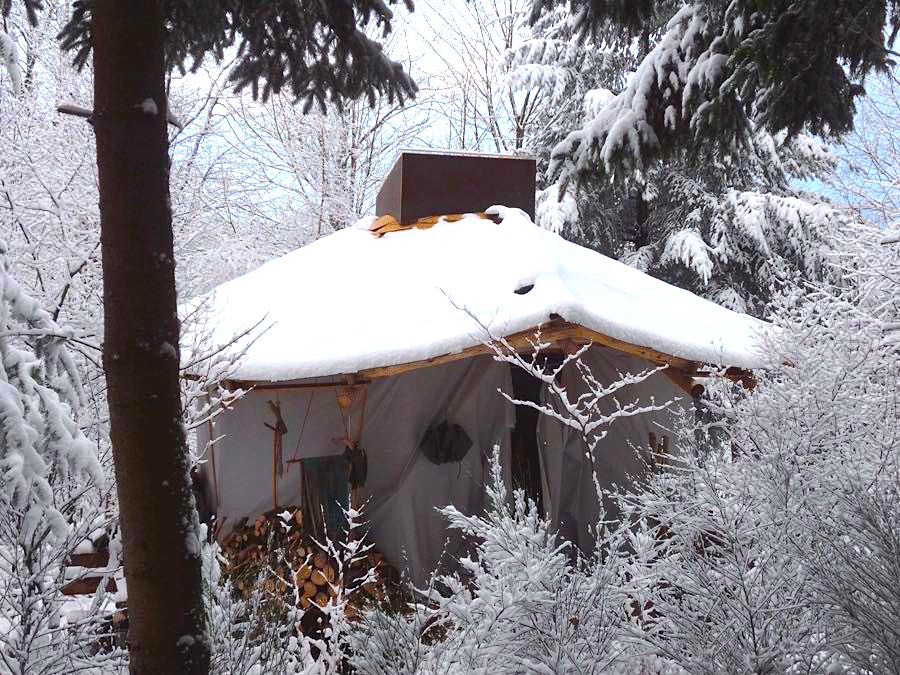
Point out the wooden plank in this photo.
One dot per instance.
(557, 333)
(386, 224)
(92, 560)
(382, 221)
(684, 380)
(287, 386)
(390, 227)
(87, 586)
(553, 332)
(652, 355)
(741, 376)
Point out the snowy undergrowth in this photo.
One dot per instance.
(269, 632)
(774, 549)
(517, 605)
(52, 493)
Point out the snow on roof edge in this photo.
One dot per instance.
(377, 303)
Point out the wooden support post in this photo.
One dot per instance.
(279, 429)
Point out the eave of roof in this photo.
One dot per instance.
(556, 334)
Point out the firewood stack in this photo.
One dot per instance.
(277, 541)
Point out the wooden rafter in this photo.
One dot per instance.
(557, 334)
(553, 333)
(281, 386)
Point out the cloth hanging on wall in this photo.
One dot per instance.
(325, 485)
(403, 489)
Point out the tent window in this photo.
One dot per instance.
(526, 463)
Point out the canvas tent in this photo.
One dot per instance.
(374, 335)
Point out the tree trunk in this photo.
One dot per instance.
(640, 234)
(140, 352)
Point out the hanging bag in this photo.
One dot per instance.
(444, 443)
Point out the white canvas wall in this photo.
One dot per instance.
(406, 489)
(572, 502)
(242, 485)
(403, 487)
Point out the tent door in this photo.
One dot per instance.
(525, 458)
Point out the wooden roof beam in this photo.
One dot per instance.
(557, 333)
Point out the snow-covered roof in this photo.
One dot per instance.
(354, 301)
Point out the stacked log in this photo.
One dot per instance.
(293, 568)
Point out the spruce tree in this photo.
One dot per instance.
(722, 221)
(724, 69)
(319, 52)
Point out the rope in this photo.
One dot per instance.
(293, 459)
(337, 400)
(276, 439)
(345, 422)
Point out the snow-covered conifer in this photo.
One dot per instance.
(774, 544)
(724, 223)
(720, 69)
(40, 391)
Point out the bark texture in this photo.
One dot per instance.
(140, 353)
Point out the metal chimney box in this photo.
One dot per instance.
(433, 183)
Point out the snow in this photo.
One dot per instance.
(148, 105)
(352, 301)
(688, 248)
(595, 100)
(893, 238)
(166, 349)
(673, 75)
(186, 641)
(80, 607)
(85, 546)
(9, 57)
(556, 212)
